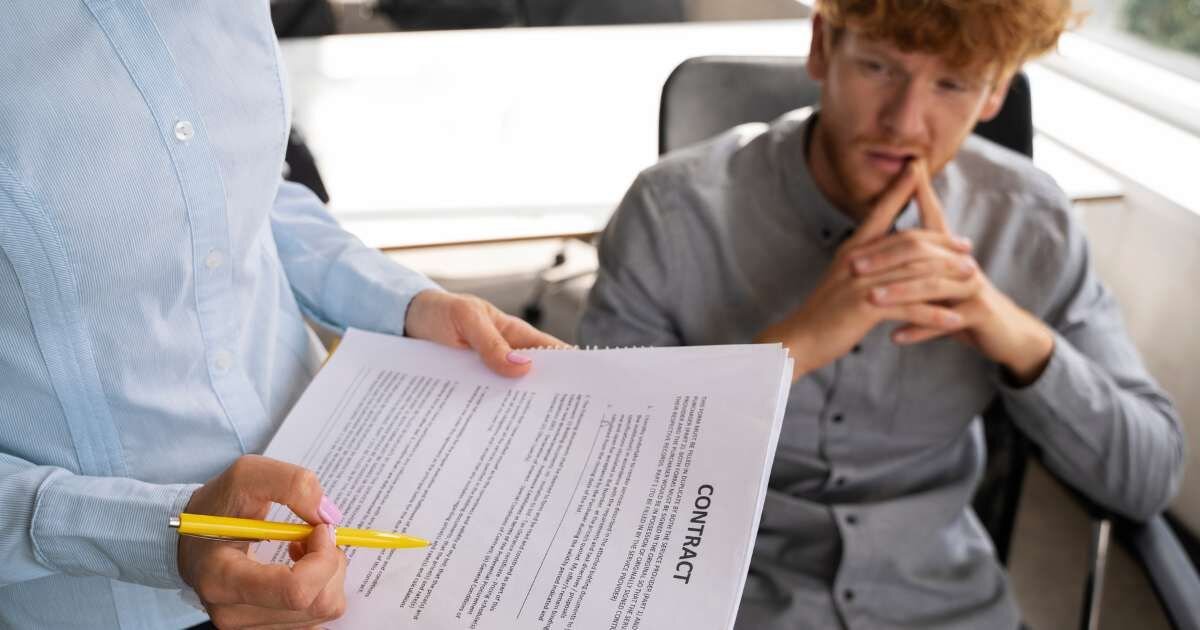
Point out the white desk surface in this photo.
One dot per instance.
(459, 136)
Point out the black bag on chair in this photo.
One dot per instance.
(303, 18)
(302, 168)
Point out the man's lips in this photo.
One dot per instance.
(889, 161)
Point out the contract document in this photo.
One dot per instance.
(606, 490)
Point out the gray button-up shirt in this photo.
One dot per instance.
(867, 524)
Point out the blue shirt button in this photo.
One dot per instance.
(184, 131)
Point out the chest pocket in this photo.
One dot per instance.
(944, 384)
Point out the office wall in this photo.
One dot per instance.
(1147, 249)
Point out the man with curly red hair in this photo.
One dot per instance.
(916, 273)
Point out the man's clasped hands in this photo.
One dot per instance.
(925, 279)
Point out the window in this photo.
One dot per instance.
(1163, 32)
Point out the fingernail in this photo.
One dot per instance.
(967, 265)
(517, 358)
(879, 293)
(964, 241)
(329, 512)
(900, 337)
(952, 319)
(861, 264)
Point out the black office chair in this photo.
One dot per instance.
(303, 18)
(424, 15)
(584, 12)
(705, 96)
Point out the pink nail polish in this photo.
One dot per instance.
(516, 358)
(329, 512)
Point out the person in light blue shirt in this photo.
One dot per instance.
(155, 271)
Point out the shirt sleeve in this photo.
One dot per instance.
(338, 281)
(1104, 425)
(629, 305)
(53, 521)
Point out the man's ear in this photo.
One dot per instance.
(995, 100)
(818, 58)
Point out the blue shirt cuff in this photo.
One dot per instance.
(109, 526)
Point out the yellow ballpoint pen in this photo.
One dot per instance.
(228, 528)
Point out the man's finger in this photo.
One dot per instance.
(904, 247)
(887, 208)
(909, 335)
(942, 267)
(928, 288)
(932, 216)
(927, 315)
(908, 238)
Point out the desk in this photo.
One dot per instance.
(493, 135)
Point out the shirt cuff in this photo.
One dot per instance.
(109, 526)
(368, 290)
(1057, 399)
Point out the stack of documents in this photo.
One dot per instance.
(608, 489)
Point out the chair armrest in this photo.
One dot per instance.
(1154, 545)
(1167, 565)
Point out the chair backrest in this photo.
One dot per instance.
(707, 95)
(585, 12)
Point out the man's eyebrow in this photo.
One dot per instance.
(968, 76)
(877, 49)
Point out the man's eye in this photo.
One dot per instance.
(872, 67)
(951, 85)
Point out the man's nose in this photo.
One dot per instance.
(903, 115)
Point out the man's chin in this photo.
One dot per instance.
(867, 190)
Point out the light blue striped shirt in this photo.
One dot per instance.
(153, 272)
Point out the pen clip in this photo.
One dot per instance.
(173, 523)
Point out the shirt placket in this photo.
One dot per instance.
(151, 67)
(843, 418)
(838, 423)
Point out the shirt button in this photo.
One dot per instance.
(857, 349)
(214, 259)
(848, 595)
(840, 481)
(184, 131)
(223, 360)
(851, 519)
(838, 418)
(826, 233)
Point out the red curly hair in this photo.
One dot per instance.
(969, 33)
